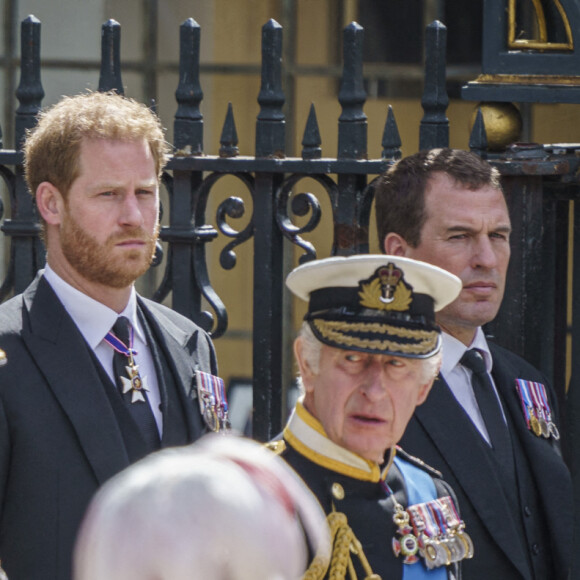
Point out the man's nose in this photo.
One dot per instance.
(484, 254)
(374, 386)
(131, 211)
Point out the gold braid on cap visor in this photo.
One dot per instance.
(425, 340)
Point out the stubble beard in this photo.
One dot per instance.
(96, 261)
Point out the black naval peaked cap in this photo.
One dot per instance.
(378, 304)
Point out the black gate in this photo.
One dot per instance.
(540, 182)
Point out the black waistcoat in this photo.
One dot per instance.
(175, 429)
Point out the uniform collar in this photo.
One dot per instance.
(307, 436)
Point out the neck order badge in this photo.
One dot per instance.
(133, 382)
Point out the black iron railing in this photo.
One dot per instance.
(540, 182)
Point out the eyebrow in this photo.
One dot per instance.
(113, 186)
(506, 229)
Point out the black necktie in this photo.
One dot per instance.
(139, 410)
(489, 407)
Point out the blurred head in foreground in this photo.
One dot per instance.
(223, 509)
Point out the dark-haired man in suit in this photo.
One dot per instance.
(490, 422)
(95, 377)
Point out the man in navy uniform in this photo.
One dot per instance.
(490, 422)
(368, 352)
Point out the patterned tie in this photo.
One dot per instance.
(490, 408)
(139, 409)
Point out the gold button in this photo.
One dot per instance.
(3, 358)
(337, 491)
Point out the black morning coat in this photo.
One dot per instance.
(60, 437)
(529, 539)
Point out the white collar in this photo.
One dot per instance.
(454, 349)
(93, 319)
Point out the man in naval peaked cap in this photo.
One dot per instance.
(368, 352)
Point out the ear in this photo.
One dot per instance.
(426, 389)
(424, 392)
(303, 366)
(395, 245)
(50, 203)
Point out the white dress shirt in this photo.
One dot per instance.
(459, 378)
(94, 320)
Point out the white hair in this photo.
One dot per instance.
(311, 348)
(225, 508)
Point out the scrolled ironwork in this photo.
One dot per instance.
(301, 204)
(233, 207)
(217, 325)
(195, 234)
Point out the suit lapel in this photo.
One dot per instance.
(63, 358)
(180, 352)
(443, 418)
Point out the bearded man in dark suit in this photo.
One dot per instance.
(81, 397)
(489, 424)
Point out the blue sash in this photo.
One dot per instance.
(420, 488)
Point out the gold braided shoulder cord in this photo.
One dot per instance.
(345, 544)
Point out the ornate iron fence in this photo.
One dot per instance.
(539, 180)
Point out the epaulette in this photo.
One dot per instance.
(418, 463)
(278, 446)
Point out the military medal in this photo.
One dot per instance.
(454, 547)
(524, 392)
(212, 401)
(457, 534)
(464, 537)
(434, 552)
(536, 408)
(437, 554)
(442, 539)
(551, 426)
(536, 397)
(535, 424)
(134, 383)
(407, 543)
(432, 529)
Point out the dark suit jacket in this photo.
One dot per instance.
(59, 437)
(442, 435)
